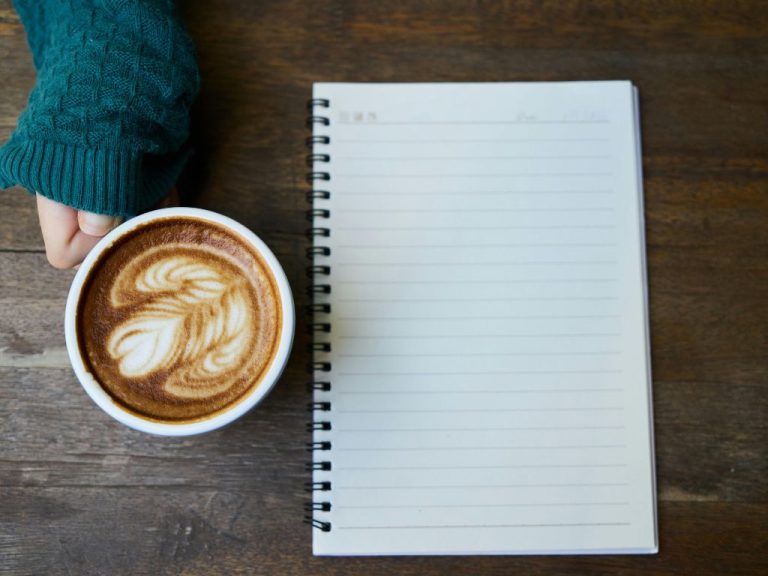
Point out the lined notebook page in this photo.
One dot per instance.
(489, 347)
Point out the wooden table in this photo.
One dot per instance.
(81, 494)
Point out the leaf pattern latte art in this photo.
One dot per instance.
(192, 318)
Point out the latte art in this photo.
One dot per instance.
(179, 320)
(193, 315)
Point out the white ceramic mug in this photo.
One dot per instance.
(251, 399)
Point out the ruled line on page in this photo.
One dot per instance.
(487, 429)
(480, 486)
(465, 526)
(480, 373)
(489, 391)
(484, 175)
(462, 140)
(516, 299)
(422, 336)
(479, 354)
(451, 158)
(477, 317)
(522, 391)
(485, 282)
(601, 209)
(508, 467)
(463, 122)
(471, 245)
(478, 410)
(497, 263)
(478, 448)
(469, 193)
(495, 505)
(449, 392)
(478, 228)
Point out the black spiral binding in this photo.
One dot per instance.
(317, 315)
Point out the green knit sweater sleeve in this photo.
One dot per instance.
(107, 124)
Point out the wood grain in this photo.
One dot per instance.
(145, 531)
(231, 499)
(706, 451)
(80, 494)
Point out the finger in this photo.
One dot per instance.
(58, 224)
(65, 244)
(96, 224)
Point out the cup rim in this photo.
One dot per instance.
(251, 399)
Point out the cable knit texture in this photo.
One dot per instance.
(106, 127)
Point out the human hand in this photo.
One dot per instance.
(69, 234)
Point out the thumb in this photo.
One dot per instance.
(96, 224)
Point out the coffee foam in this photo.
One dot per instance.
(184, 317)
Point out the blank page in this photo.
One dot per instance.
(489, 366)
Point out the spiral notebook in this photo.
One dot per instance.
(481, 351)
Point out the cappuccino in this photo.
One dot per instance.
(179, 319)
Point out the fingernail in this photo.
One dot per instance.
(97, 224)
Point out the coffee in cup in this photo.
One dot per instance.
(179, 318)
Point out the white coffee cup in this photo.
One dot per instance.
(251, 399)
